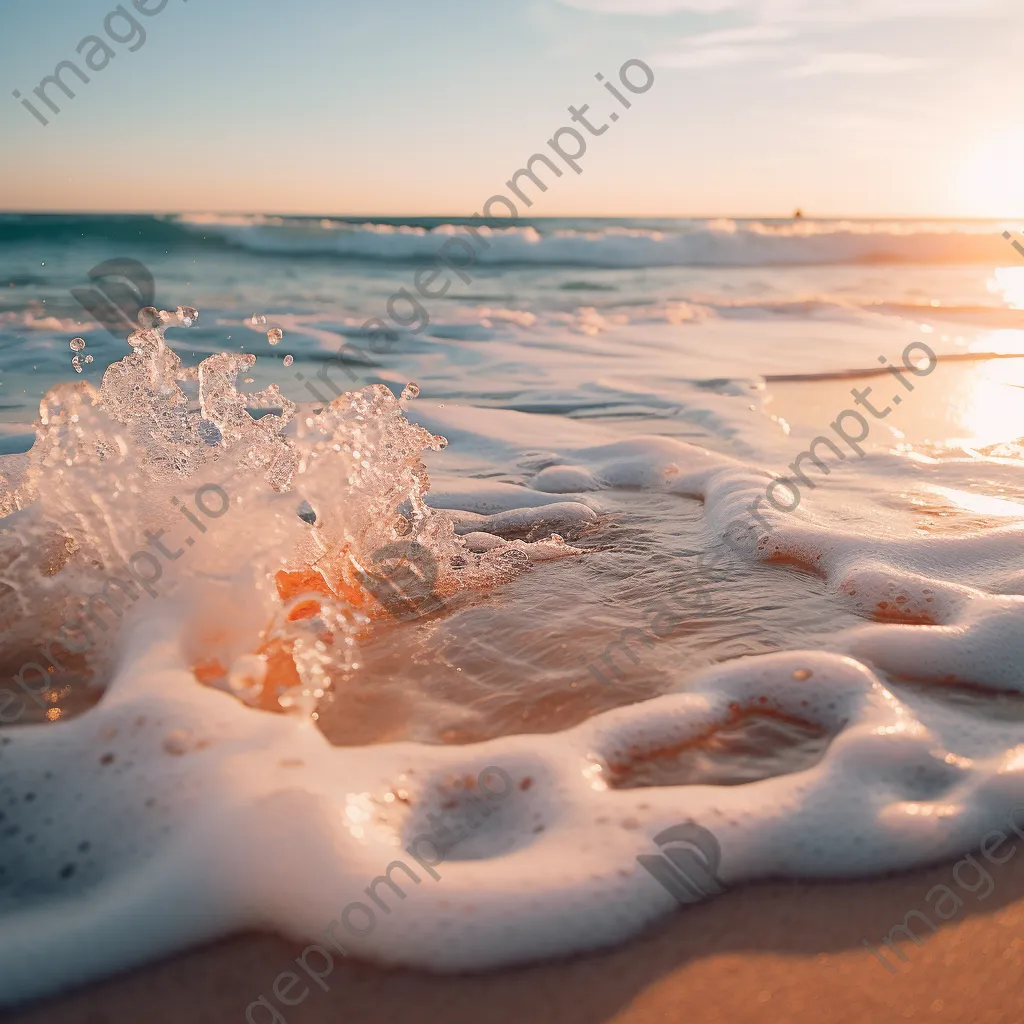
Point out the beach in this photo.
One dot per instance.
(776, 952)
(681, 552)
(512, 513)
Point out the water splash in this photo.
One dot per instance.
(278, 596)
(77, 345)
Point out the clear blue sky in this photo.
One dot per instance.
(858, 107)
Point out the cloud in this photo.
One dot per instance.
(725, 47)
(707, 57)
(794, 32)
(798, 34)
(809, 11)
(653, 6)
(855, 64)
(741, 36)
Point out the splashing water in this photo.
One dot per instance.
(281, 599)
(77, 344)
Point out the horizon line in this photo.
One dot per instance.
(510, 223)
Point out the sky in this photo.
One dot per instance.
(860, 108)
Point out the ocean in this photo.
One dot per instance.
(703, 523)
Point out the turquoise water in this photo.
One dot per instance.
(537, 322)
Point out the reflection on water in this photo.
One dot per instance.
(961, 405)
(1008, 282)
(986, 406)
(982, 504)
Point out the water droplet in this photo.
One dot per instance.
(257, 320)
(77, 344)
(88, 359)
(402, 525)
(440, 443)
(76, 364)
(274, 335)
(411, 390)
(149, 317)
(288, 360)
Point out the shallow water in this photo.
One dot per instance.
(831, 691)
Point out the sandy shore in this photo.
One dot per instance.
(774, 952)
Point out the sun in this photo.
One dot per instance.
(993, 178)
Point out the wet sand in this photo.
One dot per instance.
(783, 951)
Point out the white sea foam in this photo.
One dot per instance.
(177, 812)
(693, 243)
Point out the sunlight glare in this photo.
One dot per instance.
(1009, 282)
(990, 405)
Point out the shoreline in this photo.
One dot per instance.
(779, 951)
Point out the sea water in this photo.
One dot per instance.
(672, 569)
